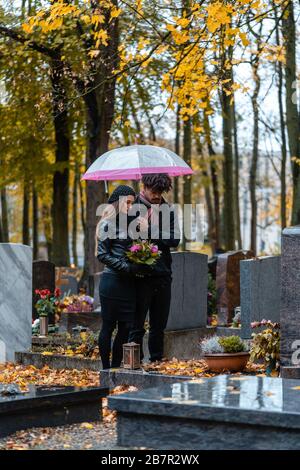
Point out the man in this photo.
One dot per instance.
(154, 290)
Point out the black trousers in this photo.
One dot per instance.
(153, 296)
(105, 340)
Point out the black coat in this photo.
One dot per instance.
(164, 240)
(117, 281)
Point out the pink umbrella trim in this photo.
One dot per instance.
(136, 173)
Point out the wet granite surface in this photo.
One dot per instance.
(38, 396)
(43, 406)
(214, 413)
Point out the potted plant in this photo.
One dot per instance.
(46, 305)
(225, 353)
(266, 345)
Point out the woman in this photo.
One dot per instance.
(117, 285)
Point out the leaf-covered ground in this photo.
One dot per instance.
(85, 436)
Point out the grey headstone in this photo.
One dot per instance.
(189, 291)
(260, 291)
(97, 277)
(71, 287)
(43, 277)
(15, 299)
(290, 296)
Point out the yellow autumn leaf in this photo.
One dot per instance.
(87, 426)
(47, 353)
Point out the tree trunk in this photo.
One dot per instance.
(236, 178)
(46, 217)
(4, 221)
(74, 214)
(292, 114)
(229, 202)
(177, 151)
(254, 162)
(215, 182)
(100, 104)
(279, 70)
(35, 223)
(207, 192)
(187, 181)
(25, 223)
(60, 206)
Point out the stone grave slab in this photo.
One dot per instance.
(221, 413)
(46, 406)
(189, 291)
(15, 299)
(260, 291)
(228, 283)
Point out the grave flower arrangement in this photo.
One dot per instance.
(48, 302)
(143, 252)
(266, 344)
(77, 303)
(225, 353)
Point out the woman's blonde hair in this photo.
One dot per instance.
(112, 210)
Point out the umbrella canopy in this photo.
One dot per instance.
(134, 161)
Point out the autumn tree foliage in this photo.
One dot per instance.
(102, 64)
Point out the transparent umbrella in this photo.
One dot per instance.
(134, 161)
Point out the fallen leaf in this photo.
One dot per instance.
(87, 425)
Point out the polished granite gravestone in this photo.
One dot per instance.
(228, 283)
(290, 303)
(90, 320)
(260, 291)
(15, 299)
(44, 406)
(70, 287)
(43, 277)
(223, 412)
(189, 291)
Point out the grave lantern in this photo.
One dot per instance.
(131, 356)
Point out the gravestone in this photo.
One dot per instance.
(95, 291)
(43, 277)
(260, 291)
(189, 291)
(228, 283)
(225, 412)
(290, 303)
(70, 287)
(15, 299)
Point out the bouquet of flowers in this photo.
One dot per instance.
(143, 252)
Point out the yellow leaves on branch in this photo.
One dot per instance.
(219, 14)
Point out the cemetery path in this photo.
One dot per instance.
(85, 436)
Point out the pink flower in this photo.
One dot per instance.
(135, 248)
(154, 249)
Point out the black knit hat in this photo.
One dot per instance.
(120, 191)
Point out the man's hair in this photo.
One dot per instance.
(157, 182)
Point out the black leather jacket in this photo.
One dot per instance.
(164, 241)
(112, 252)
